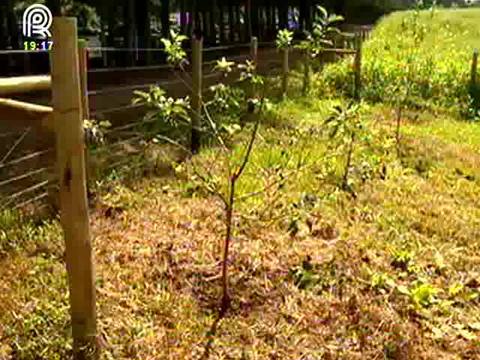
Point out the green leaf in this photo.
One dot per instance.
(322, 11)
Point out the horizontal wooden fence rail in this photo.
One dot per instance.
(24, 84)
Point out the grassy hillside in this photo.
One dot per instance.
(436, 48)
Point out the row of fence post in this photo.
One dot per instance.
(357, 66)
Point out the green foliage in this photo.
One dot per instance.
(345, 121)
(224, 66)
(423, 294)
(226, 99)
(249, 75)
(284, 39)
(346, 126)
(95, 131)
(318, 277)
(382, 282)
(402, 259)
(323, 30)
(176, 55)
(421, 58)
(166, 115)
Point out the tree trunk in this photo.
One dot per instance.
(13, 30)
(238, 23)
(54, 6)
(213, 22)
(225, 304)
(271, 20)
(255, 19)
(248, 20)
(129, 29)
(308, 15)
(283, 14)
(165, 18)
(221, 22)
(142, 14)
(3, 27)
(183, 17)
(231, 22)
(110, 39)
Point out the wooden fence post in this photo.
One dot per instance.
(358, 68)
(285, 71)
(473, 73)
(254, 50)
(196, 102)
(70, 145)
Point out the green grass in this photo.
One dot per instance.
(392, 273)
(440, 59)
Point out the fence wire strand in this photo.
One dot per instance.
(25, 176)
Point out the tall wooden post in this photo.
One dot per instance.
(285, 71)
(358, 68)
(473, 72)
(67, 105)
(196, 102)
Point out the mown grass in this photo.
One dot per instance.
(391, 273)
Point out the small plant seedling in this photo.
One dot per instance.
(304, 276)
(176, 55)
(176, 115)
(402, 259)
(95, 131)
(318, 39)
(382, 281)
(167, 118)
(346, 126)
(224, 66)
(423, 295)
(284, 39)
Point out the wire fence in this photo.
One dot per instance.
(27, 165)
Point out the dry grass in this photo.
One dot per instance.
(333, 289)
